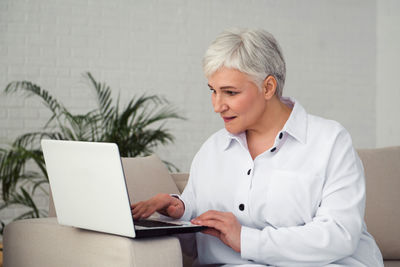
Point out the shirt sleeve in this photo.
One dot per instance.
(188, 194)
(335, 230)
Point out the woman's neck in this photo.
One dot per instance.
(262, 136)
(274, 117)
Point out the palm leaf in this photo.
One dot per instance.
(23, 198)
(12, 167)
(32, 89)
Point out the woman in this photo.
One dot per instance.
(277, 186)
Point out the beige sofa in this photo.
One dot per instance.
(43, 242)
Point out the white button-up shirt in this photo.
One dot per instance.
(300, 203)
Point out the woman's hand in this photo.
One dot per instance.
(222, 225)
(162, 203)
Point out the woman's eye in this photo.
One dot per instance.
(231, 93)
(212, 91)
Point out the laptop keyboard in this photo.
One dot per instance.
(153, 223)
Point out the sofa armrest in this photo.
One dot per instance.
(43, 242)
(180, 180)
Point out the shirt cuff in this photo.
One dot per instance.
(250, 243)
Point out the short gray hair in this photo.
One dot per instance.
(253, 52)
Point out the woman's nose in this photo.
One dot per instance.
(219, 105)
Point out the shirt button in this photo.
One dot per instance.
(272, 150)
(248, 172)
(280, 135)
(241, 207)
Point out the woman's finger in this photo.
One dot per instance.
(220, 226)
(214, 215)
(142, 211)
(163, 203)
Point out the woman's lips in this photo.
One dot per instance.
(228, 119)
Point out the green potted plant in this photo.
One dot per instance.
(137, 128)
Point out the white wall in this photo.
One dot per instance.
(156, 47)
(388, 71)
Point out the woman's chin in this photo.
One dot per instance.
(233, 130)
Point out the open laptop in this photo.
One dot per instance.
(89, 191)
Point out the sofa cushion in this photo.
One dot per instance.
(180, 179)
(146, 177)
(382, 214)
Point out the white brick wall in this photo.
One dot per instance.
(388, 87)
(156, 47)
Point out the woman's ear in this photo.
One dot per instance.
(269, 87)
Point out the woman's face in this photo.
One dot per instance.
(237, 99)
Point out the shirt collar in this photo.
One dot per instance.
(296, 125)
(229, 137)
